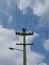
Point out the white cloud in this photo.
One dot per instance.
(44, 20)
(9, 16)
(42, 64)
(39, 7)
(23, 4)
(8, 3)
(5, 9)
(46, 45)
(10, 19)
(34, 58)
(8, 38)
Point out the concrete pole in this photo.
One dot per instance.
(24, 50)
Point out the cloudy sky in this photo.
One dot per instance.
(32, 14)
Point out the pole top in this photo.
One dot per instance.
(24, 29)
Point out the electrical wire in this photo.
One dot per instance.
(16, 11)
(30, 22)
(17, 19)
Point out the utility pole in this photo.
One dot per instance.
(24, 34)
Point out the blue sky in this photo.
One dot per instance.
(32, 14)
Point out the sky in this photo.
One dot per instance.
(32, 15)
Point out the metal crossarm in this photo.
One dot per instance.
(24, 44)
(26, 34)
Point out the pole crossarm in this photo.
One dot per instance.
(24, 44)
(22, 34)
